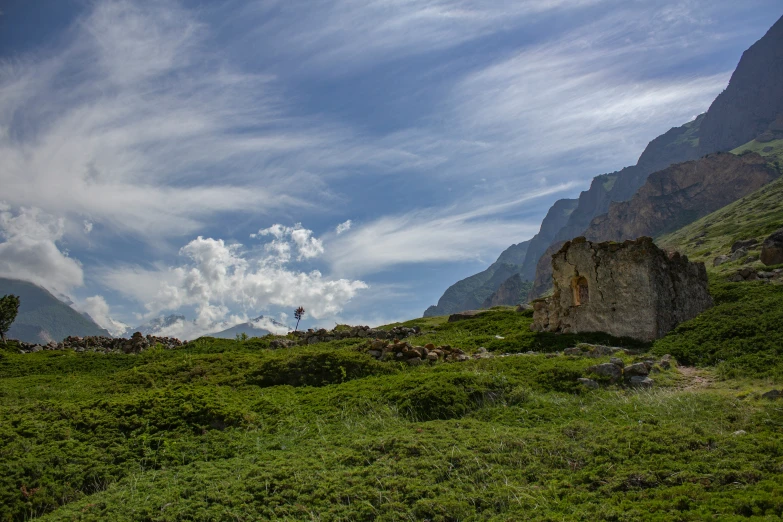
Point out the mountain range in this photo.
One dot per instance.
(748, 111)
(43, 317)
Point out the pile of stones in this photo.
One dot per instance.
(363, 332)
(403, 351)
(635, 374)
(101, 344)
(750, 274)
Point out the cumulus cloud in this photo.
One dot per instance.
(29, 250)
(217, 278)
(97, 308)
(285, 238)
(343, 227)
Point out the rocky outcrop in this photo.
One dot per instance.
(772, 249)
(680, 194)
(102, 344)
(470, 293)
(631, 289)
(753, 98)
(512, 292)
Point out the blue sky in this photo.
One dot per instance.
(356, 157)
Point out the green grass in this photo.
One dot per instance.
(229, 430)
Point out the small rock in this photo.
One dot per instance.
(481, 350)
(739, 433)
(432, 356)
(617, 362)
(739, 254)
(499, 337)
(572, 351)
(415, 361)
(743, 243)
(639, 381)
(374, 353)
(612, 371)
(590, 384)
(772, 249)
(720, 260)
(637, 369)
(773, 395)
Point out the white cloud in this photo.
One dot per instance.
(87, 226)
(218, 278)
(343, 227)
(30, 252)
(285, 238)
(97, 308)
(429, 235)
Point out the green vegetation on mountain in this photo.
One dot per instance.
(42, 317)
(752, 217)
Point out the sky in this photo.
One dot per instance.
(226, 160)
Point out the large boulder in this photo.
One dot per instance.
(772, 249)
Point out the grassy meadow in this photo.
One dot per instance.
(231, 430)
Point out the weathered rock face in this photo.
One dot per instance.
(631, 289)
(682, 193)
(772, 249)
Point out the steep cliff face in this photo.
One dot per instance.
(513, 291)
(680, 194)
(470, 293)
(753, 99)
(676, 145)
(555, 219)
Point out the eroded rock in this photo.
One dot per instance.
(772, 249)
(630, 289)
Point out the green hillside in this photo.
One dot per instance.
(752, 217)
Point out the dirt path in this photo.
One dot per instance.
(694, 378)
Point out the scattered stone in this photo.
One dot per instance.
(772, 249)
(612, 371)
(481, 350)
(773, 395)
(639, 381)
(572, 351)
(743, 244)
(636, 369)
(590, 384)
(629, 289)
(617, 362)
(739, 254)
(667, 361)
(414, 361)
(720, 260)
(499, 337)
(739, 433)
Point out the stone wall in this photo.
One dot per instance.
(630, 289)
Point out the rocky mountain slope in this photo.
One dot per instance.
(254, 328)
(470, 293)
(750, 104)
(512, 291)
(753, 99)
(42, 317)
(672, 198)
(682, 193)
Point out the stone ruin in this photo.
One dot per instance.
(630, 289)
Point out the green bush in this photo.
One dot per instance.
(742, 334)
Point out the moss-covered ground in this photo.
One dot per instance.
(230, 430)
